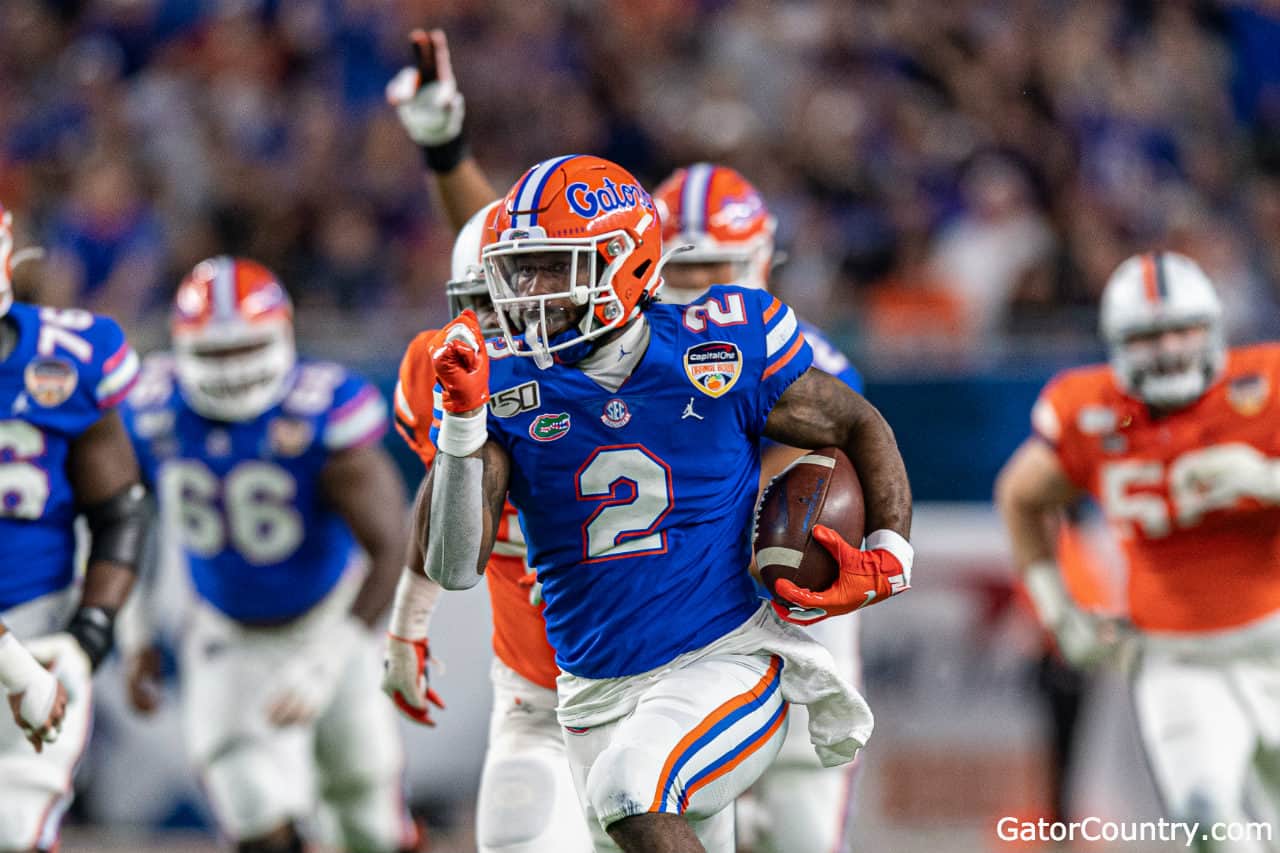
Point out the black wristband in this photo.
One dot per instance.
(443, 159)
(94, 630)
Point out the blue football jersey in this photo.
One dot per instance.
(828, 359)
(636, 505)
(68, 368)
(260, 541)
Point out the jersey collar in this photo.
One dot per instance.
(611, 364)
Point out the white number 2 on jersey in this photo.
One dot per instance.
(624, 525)
(24, 486)
(258, 518)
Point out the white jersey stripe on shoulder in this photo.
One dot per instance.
(781, 334)
(693, 206)
(357, 425)
(224, 288)
(117, 380)
(402, 405)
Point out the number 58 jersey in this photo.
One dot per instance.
(67, 369)
(1195, 565)
(261, 542)
(636, 504)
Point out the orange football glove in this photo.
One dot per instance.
(404, 678)
(865, 578)
(461, 363)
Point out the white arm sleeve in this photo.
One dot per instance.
(457, 521)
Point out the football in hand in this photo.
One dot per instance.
(820, 487)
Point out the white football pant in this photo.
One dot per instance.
(527, 801)
(258, 776)
(1210, 726)
(693, 742)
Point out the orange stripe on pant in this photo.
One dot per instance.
(709, 723)
(746, 753)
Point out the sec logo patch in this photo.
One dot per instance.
(50, 381)
(713, 367)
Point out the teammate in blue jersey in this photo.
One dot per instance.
(629, 442)
(729, 233)
(270, 470)
(64, 453)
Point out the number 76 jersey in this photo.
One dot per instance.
(1196, 563)
(636, 504)
(67, 370)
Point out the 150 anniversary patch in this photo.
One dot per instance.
(713, 367)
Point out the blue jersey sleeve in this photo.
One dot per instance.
(830, 360)
(147, 414)
(786, 352)
(358, 415)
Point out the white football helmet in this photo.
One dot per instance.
(466, 286)
(1156, 292)
(233, 339)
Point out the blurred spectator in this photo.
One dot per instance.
(970, 169)
(106, 246)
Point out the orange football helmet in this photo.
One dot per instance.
(722, 216)
(232, 326)
(586, 223)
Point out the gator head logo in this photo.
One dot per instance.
(549, 427)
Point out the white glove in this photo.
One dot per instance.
(404, 663)
(1084, 638)
(1220, 475)
(308, 683)
(36, 697)
(404, 678)
(425, 95)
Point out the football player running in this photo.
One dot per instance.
(526, 802)
(64, 452)
(1177, 440)
(719, 214)
(674, 680)
(270, 468)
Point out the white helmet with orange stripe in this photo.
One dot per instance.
(233, 341)
(1162, 322)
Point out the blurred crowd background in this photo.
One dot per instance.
(954, 181)
(966, 172)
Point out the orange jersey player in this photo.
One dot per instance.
(1177, 440)
(526, 749)
(519, 633)
(1200, 559)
